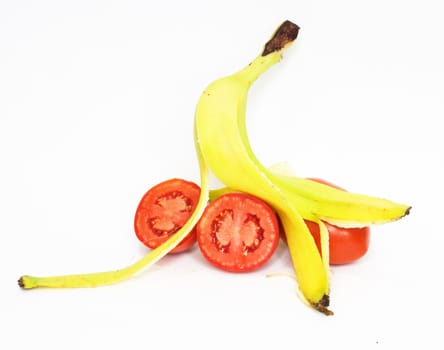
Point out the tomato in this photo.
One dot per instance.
(163, 210)
(346, 244)
(238, 232)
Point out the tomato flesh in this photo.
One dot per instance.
(163, 210)
(238, 232)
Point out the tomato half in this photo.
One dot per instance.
(163, 210)
(346, 244)
(238, 232)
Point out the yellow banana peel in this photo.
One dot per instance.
(223, 140)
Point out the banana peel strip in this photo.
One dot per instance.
(109, 277)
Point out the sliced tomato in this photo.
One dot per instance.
(163, 210)
(346, 244)
(238, 232)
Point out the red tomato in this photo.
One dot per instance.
(346, 244)
(238, 232)
(163, 210)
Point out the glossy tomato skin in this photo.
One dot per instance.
(346, 244)
(238, 232)
(163, 210)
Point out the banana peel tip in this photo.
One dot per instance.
(322, 305)
(282, 38)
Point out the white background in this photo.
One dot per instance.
(96, 105)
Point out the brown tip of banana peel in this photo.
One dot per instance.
(21, 283)
(284, 35)
(322, 305)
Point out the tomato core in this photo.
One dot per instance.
(169, 212)
(245, 236)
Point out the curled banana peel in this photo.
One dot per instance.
(222, 139)
(222, 147)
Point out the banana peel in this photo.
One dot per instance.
(222, 138)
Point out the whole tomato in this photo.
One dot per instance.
(346, 244)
